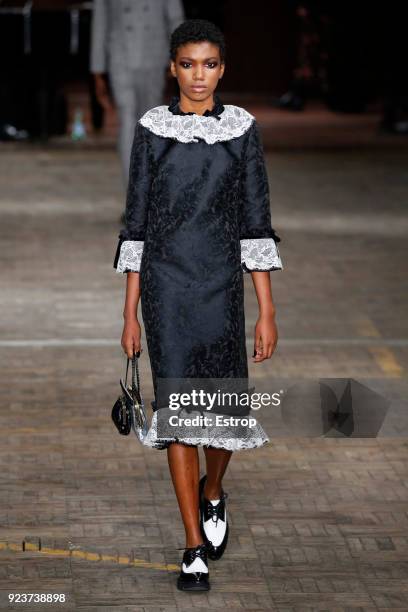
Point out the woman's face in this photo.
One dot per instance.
(197, 69)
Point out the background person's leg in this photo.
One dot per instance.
(135, 92)
(125, 97)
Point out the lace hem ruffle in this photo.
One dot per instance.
(231, 123)
(130, 256)
(254, 438)
(260, 254)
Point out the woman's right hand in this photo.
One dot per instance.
(131, 337)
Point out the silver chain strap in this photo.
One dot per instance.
(135, 370)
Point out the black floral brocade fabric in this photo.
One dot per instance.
(191, 203)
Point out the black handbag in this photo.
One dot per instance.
(128, 411)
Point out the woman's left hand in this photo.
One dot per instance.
(266, 337)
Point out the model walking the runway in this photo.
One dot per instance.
(198, 218)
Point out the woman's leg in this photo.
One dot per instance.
(185, 471)
(217, 460)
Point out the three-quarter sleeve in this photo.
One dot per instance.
(258, 239)
(129, 250)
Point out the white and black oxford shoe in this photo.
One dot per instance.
(194, 574)
(213, 522)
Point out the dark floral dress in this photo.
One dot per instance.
(197, 218)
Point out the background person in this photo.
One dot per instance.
(130, 41)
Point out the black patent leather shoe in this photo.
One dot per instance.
(213, 523)
(194, 581)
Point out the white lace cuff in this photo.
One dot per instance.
(260, 254)
(130, 256)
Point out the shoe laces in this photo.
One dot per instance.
(192, 552)
(198, 550)
(216, 512)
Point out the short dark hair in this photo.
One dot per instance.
(197, 30)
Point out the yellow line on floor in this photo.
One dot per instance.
(366, 328)
(387, 361)
(87, 556)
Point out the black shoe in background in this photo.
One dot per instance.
(9, 133)
(291, 101)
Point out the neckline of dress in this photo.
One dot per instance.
(216, 111)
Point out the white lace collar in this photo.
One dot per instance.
(232, 123)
